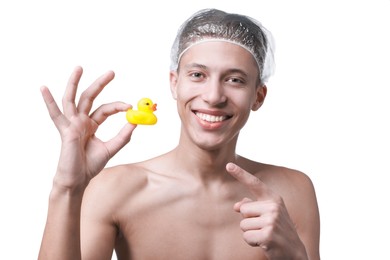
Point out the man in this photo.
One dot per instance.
(199, 201)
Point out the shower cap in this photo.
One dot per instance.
(216, 25)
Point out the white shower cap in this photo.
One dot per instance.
(216, 25)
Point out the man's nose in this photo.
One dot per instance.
(214, 93)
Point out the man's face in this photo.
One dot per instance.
(216, 87)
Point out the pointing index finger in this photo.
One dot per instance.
(255, 185)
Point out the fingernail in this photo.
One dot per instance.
(230, 166)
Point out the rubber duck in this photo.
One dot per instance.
(144, 115)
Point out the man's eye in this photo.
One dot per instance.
(235, 80)
(196, 74)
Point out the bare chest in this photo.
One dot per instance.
(185, 229)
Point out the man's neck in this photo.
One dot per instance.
(205, 165)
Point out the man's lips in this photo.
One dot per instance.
(210, 117)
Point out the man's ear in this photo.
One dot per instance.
(173, 82)
(261, 93)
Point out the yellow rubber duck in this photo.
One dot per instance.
(144, 115)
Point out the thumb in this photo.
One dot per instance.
(120, 140)
(237, 205)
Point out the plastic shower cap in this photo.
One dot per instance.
(216, 25)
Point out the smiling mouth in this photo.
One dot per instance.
(211, 118)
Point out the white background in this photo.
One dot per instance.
(326, 114)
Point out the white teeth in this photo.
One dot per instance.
(210, 118)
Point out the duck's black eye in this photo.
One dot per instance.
(147, 104)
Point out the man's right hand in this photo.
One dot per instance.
(83, 155)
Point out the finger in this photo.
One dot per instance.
(259, 208)
(68, 101)
(237, 205)
(89, 95)
(106, 110)
(119, 141)
(55, 113)
(255, 185)
(254, 223)
(260, 238)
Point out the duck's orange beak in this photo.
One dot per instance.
(154, 107)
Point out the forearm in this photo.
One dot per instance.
(61, 239)
(297, 252)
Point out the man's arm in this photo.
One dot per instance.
(61, 238)
(82, 157)
(308, 226)
(267, 223)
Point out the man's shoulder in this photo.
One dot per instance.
(280, 178)
(271, 170)
(117, 180)
(129, 178)
(286, 173)
(288, 178)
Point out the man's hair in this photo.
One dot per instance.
(216, 25)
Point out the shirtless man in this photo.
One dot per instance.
(199, 201)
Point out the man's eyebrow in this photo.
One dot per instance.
(239, 71)
(201, 66)
(195, 65)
